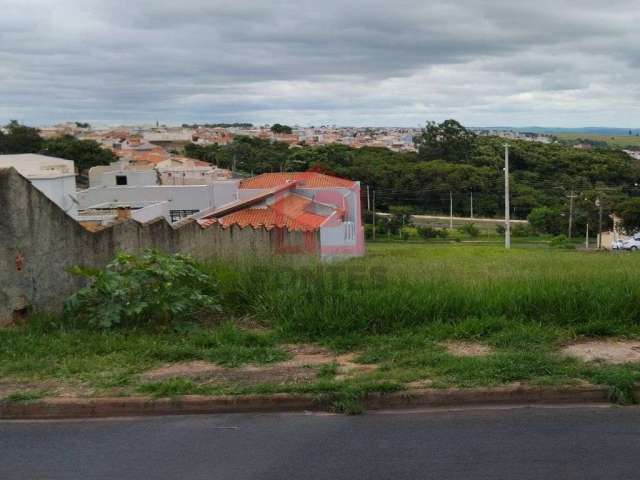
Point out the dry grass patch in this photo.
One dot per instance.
(305, 364)
(609, 351)
(467, 349)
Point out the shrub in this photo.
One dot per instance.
(561, 241)
(523, 230)
(546, 220)
(442, 233)
(153, 288)
(427, 232)
(469, 229)
(368, 232)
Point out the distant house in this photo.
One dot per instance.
(307, 202)
(181, 185)
(55, 177)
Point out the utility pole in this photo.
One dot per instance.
(368, 200)
(599, 205)
(507, 219)
(571, 197)
(450, 210)
(586, 240)
(374, 215)
(471, 203)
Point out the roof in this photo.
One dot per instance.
(34, 166)
(306, 179)
(290, 212)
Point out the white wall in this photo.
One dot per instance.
(59, 190)
(107, 178)
(179, 197)
(152, 212)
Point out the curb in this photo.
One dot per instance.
(61, 408)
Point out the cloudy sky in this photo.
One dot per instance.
(346, 62)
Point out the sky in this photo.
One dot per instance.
(362, 63)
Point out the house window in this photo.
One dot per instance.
(121, 179)
(176, 215)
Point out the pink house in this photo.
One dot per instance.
(324, 208)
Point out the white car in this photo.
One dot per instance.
(632, 244)
(617, 245)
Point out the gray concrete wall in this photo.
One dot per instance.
(39, 242)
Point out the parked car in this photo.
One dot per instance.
(633, 243)
(617, 245)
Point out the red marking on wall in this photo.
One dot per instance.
(19, 262)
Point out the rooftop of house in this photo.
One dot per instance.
(305, 179)
(33, 166)
(294, 212)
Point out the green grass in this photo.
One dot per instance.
(25, 396)
(108, 359)
(406, 285)
(395, 307)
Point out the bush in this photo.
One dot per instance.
(561, 241)
(153, 288)
(368, 232)
(469, 229)
(546, 220)
(442, 233)
(523, 230)
(427, 232)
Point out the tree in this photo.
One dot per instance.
(20, 139)
(277, 128)
(547, 220)
(84, 153)
(629, 212)
(448, 141)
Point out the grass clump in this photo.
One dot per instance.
(25, 396)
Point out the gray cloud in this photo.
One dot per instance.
(360, 62)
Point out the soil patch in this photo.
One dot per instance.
(610, 351)
(302, 367)
(467, 349)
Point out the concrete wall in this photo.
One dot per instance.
(38, 242)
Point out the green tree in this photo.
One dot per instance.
(547, 220)
(448, 141)
(19, 139)
(278, 128)
(84, 153)
(629, 212)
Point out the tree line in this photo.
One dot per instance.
(17, 138)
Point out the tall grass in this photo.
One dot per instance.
(400, 286)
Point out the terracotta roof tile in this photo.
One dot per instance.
(306, 179)
(290, 213)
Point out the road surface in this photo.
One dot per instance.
(520, 443)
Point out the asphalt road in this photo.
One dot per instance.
(531, 443)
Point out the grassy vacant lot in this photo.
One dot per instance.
(396, 308)
(616, 141)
